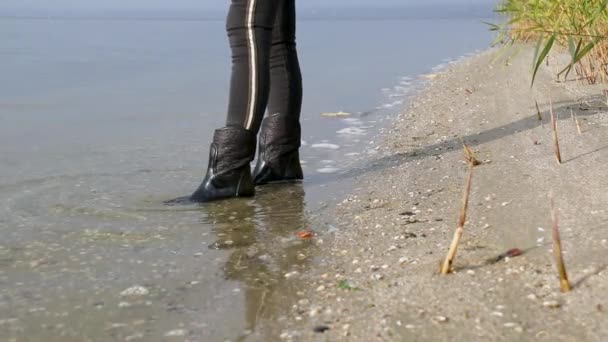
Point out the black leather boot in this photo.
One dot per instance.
(278, 159)
(228, 173)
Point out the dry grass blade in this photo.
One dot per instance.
(446, 266)
(469, 156)
(558, 154)
(576, 122)
(538, 114)
(557, 253)
(572, 115)
(578, 125)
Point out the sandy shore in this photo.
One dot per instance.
(377, 275)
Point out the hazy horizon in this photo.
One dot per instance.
(204, 9)
(62, 5)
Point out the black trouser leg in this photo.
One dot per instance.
(280, 137)
(265, 66)
(249, 25)
(285, 75)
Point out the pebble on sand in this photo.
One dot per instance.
(552, 304)
(440, 319)
(321, 328)
(176, 333)
(135, 291)
(291, 274)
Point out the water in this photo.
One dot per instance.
(101, 120)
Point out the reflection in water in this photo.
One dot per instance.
(261, 235)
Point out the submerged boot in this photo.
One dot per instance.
(279, 159)
(228, 173)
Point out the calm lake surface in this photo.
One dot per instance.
(103, 119)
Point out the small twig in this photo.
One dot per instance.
(557, 252)
(558, 155)
(446, 267)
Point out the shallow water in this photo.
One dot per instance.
(100, 121)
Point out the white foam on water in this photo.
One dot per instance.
(328, 170)
(391, 105)
(326, 146)
(352, 154)
(303, 143)
(351, 131)
(353, 121)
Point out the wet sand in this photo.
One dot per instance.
(376, 275)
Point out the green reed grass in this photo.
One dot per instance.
(581, 26)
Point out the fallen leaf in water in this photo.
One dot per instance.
(304, 234)
(335, 114)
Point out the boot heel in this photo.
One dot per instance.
(279, 158)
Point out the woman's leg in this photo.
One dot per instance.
(285, 75)
(280, 136)
(249, 26)
(250, 29)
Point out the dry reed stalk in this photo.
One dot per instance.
(469, 156)
(558, 155)
(557, 253)
(446, 266)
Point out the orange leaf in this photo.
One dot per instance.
(304, 234)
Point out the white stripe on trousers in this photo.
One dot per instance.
(252, 65)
